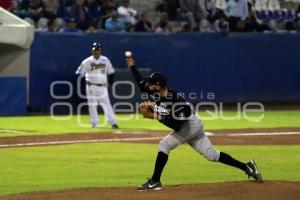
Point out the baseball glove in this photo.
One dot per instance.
(146, 109)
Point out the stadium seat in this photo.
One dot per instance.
(265, 16)
(262, 17)
(277, 15)
(283, 15)
(290, 15)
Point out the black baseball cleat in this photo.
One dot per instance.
(114, 126)
(253, 171)
(150, 185)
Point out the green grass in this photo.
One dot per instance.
(121, 164)
(271, 119)
(41, 125)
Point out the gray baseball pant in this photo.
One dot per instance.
(192, 133)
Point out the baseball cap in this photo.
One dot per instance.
(96, 46)
(157, 78)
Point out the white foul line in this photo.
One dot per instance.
(79, 141)
(139, 139)
(258, 134)
(11, 131)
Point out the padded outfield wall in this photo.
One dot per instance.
(14, 76)
(239, 67)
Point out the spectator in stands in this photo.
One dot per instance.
(209, 10)
(221, 25)
(187, 28)
(93, 9)
(78, 12)
(237, 12)
(130, 29)
(273, 5)
(251, 23)
(115, 24)
(205, 26)
(220, 6)
(127, 13)
(162, 28)
(50, 27)
(71, 26)
(143, 25)
(7, 5)
(291, 15)
(50, 8)
(116, 3)
(163, 22)
(192, 11)
(260, 5)
(92, 28)
(63, 10)
(297, 23)
(32, 9)
(170, 7)
(274, 26)
(59, 23)
(106, 12)
(42, 24)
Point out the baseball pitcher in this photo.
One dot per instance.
(98, 72)
(171, 109)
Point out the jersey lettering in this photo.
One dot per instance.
(161, 110)
(97, 66)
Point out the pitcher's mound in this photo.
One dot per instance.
(218, 191)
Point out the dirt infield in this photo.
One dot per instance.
(217, 191)
(230, 137)
(246, 190)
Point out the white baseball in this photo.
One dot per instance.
(128, 53)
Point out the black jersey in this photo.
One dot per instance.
(172, 110)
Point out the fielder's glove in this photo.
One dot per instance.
(146, 109)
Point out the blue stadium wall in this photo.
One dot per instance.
(13, 96)
(236, 68)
